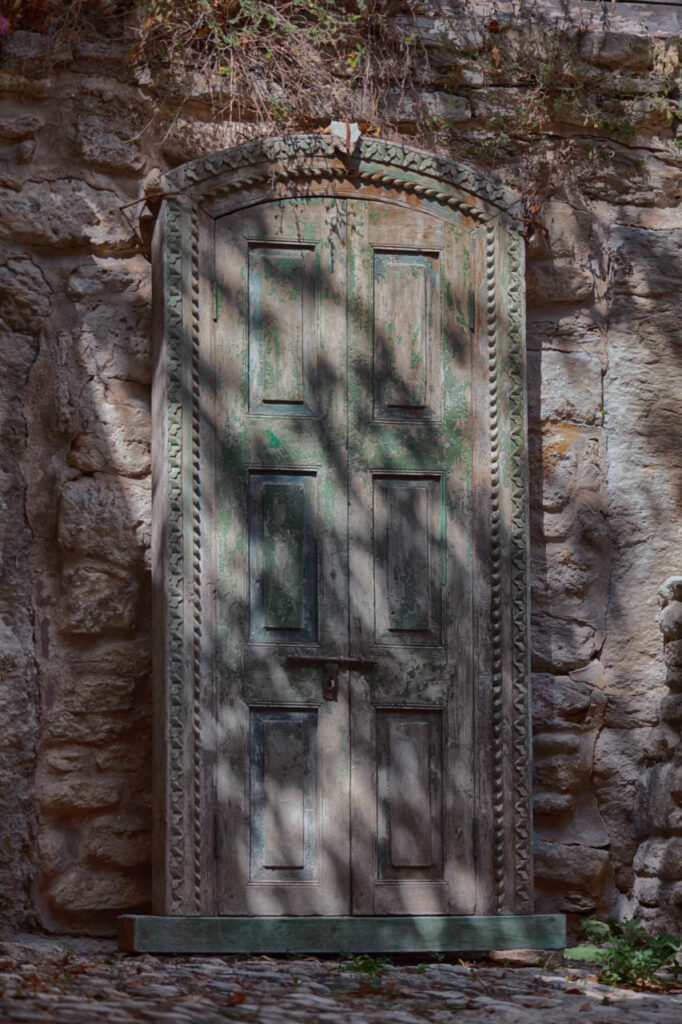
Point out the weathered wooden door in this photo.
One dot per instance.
(346, 554)
(339, 549)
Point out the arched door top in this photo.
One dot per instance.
(312, 160)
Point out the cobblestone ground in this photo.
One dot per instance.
(85, 983)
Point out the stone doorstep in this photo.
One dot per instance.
(139, 933)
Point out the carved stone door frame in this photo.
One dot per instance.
(194, 195)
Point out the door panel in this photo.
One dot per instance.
(281, 534)
(343, 526)
(283, 567)
(284, 795)
(406, 325)
(409, 552)
(409, 793)
(411, 556)
(283, 289)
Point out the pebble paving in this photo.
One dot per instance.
(71, 983)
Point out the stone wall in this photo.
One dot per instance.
(605, 374)
(657, 823)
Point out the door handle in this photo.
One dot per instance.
(330, 681)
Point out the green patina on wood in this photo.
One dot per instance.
(147, 934)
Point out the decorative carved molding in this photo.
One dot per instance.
(391, 167)
(197, 654)
(304, 156)
(496, 639)
(519, 583)
(175, 582)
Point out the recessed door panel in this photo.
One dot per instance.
(406, 323)
(282, 558)
(409, 794)
(407, 560)
(282, 328)
(284, 794)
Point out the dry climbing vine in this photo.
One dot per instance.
(295, 62)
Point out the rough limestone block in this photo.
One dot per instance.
(569, 579)
(636, 178)
(660, 744)
(569, 460)
(571, 387)
(660, 858)
(618, 50)
(617, 777)
(546, 744)
(575, 875)
(558, 280)
(547, 804)
(20, 46)
(86, 889)
(18, 127)
(26, 88)
(646, 263)
(673, 663)
(559, 702)
(53, 850)
(132, 756)
(648, 892)
(188, 140)
(584, 826)
(96, 693)
(118, 839)
(436, 106)
(671, 708)
(560, 644)
(25, 295)
(116, 431)
(106, 518)
(661, 808)
(64, 213)
(113, 341)
(562, 773)
(671, 590)
(99, 144)
(62, 726)
(98, 598)
(103, 276)
(566, 233)
(60, 793)
(17, 354)
(632, 710)
(670, 621)
(563, 329)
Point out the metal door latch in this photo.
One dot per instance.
(330, 680)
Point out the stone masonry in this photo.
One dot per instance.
(604, 378)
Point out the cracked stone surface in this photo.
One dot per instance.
(84, 982)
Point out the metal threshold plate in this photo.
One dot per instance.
(141, 933)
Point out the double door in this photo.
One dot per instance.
(346, 347)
